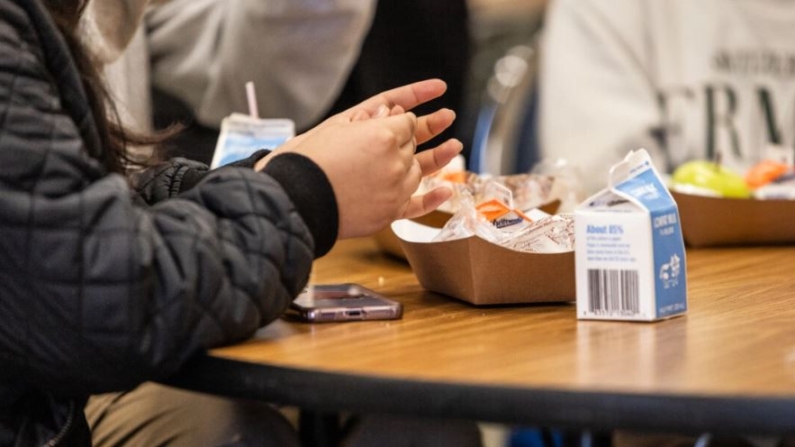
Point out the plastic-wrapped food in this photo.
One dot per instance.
(567, 186)
(553, 234)
(540, 233)
(529, 190)
(773, 177)
(782, 187)
(765, 172)
(467, 221)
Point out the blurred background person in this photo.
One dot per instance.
(683, 79)
(190, 62)
(332, 55)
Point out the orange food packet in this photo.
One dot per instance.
(765, 172)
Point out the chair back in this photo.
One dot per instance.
(505, 139)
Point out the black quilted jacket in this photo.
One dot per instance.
(102, 288)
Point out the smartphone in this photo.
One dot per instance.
(343, 302)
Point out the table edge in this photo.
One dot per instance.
(576, 409)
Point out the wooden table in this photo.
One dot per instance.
(727, 366)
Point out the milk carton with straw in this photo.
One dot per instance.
(242, 135)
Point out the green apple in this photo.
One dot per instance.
(708, 175)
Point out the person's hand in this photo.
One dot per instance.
(402, 98)
(373, 170)
(370, 200)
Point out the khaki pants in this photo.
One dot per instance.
(156, 415)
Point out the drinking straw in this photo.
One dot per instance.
(251, 94)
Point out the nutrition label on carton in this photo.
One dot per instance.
(612, 271)
(606, 243)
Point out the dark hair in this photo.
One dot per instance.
(114, 138)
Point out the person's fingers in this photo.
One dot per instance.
(402, 126)
(434, 159)
(382, 112)
(411, 182)
(428, 126)
(424, 204)
(360, 115)
(407, 96)
(407, 152)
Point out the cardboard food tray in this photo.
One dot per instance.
(482, 273)
(714, 221)
(389, 243)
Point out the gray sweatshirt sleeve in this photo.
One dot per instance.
(597, 93)
(299, 53)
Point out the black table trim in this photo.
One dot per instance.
(325, 391)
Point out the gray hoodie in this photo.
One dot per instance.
(298, 52)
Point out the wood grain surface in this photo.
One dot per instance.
(738, 338)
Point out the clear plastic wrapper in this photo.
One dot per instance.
(529, 190)
(467, 221)
(504, 209)
(553, 234)
(567, 186)
(548, 234)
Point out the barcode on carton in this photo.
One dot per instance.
(613, 292)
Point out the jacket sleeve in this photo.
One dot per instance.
(315, 42)
(597, 90)
(98, 294)
(179, 175)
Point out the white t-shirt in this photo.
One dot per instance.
(683, 78)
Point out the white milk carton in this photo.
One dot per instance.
(242, 135)
(629, 255)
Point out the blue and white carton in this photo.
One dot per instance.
(629, 253)
(242, 135)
